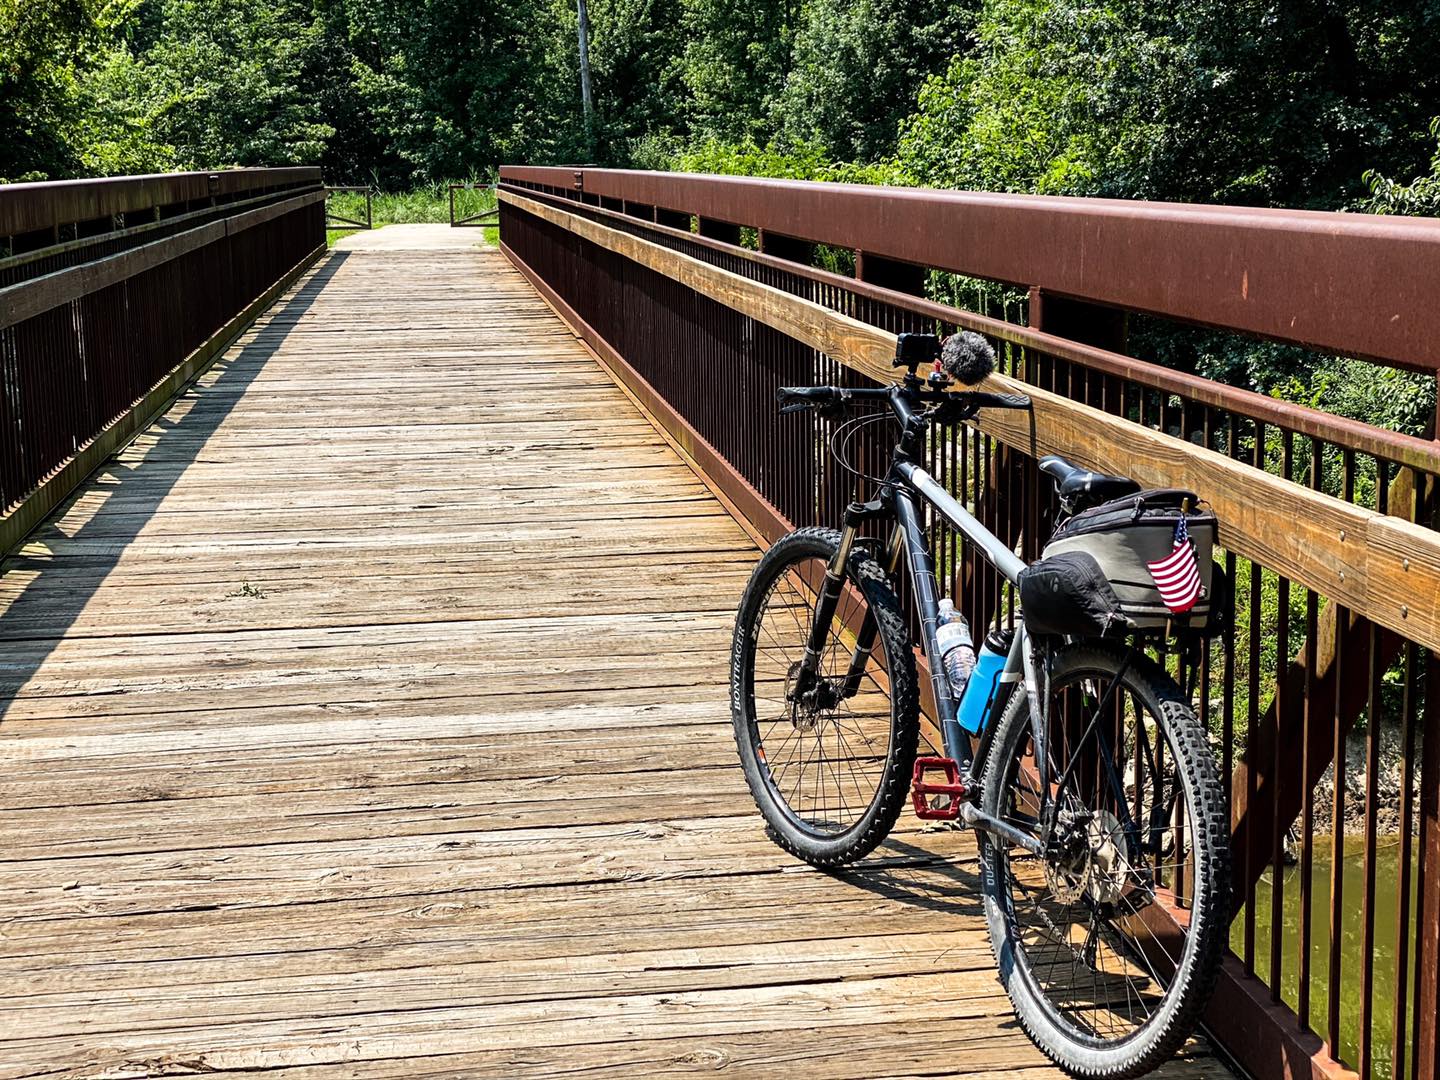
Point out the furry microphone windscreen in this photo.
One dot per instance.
(967, 358)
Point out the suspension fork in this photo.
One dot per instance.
(869, 630)
(825, 604)
(831, 589)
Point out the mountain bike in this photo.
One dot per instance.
(1100, 819)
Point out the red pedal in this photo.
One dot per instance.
(920, 791)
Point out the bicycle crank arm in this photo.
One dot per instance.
(978, 819)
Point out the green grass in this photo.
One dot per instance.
(424, 206)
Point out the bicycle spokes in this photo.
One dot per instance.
(823, 734)
(1081, 910)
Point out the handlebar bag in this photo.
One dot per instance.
(1144, 544)
(1067, 594)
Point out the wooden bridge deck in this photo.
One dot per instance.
(367, 717)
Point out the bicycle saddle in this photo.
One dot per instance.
(1077, 484)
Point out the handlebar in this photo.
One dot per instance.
(795, 398)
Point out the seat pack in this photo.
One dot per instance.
(1154, 548)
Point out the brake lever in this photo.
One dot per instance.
(956, 410)
(794, 406)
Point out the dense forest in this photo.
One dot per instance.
(1312, 103)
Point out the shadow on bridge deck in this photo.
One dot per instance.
(368, 717)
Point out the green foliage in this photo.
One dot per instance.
(1383, 396)
(1201, 101)
(229, 82)
(452, 88)
(637, 76)
(735, 60)
(119, 134)
(856, 68)
(796, 161)
(1057, 98)
(1421, 196)
(44, 49)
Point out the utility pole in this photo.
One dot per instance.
(583, 11)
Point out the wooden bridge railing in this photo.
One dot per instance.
(114, 293)
(701, 295)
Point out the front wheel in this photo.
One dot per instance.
(1109, 941)
(828, 754)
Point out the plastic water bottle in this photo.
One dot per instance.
(957, 650)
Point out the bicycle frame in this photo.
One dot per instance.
(906, 485)
(922, 578)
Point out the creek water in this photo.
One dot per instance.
(1386, 911)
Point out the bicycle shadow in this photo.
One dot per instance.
(930, 881)
(61, 585)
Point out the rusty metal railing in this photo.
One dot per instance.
(1319, 651)
(115, 292)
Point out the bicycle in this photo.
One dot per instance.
(1090, 784)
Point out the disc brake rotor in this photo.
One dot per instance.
(1105, 880)
(1098, 869)
(803, 714)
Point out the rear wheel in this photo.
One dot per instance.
(828, 762)
(1109, 943)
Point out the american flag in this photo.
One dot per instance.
(1177, 576)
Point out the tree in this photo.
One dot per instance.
(43, 47)
(736, 59)
(1420, 196)
(635, 58)
(232, 82)
(587, 99)
(1238, 101)
(857, 68)
(1056, 98)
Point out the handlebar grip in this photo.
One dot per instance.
(795, 398)
(1001, 401)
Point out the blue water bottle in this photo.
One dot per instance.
(974, 710)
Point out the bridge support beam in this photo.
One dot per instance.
(1089, 324)
(889, 274)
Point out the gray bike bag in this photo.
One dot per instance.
(1127, 534)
